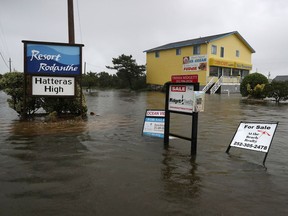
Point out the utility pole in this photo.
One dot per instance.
(71, 34)
(10, 63)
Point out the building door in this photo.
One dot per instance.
(220, 70)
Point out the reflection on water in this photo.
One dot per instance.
(103, 166)
(181, 182)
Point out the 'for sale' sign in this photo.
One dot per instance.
(181, 98)
(254, 136)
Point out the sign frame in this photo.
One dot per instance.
(52, 59)
(254, 136)
(192, 113)
(47, 57)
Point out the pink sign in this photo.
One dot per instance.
(184, 78)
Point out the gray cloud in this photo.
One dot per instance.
(109, 28)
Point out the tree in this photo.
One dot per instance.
(105, 80)
(13, 85)
(277, 90)
(90, 80)
(128, 70)
(253, 85)
(1, 87)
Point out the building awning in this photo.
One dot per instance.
(221, 63)
(229, 64)
(243, 66)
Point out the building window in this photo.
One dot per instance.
(157, 54)
(237, 53)
(226, 72)
(244, 73)
(178, 51)
(196, 50)
(213, 71)
(214, 49)
(235, 72)
(222, 52)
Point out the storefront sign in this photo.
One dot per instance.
(221, 63)
(195, 63)
(254, 136)
(184, 78)
(52, 59)
(243, 66)
(53, 86)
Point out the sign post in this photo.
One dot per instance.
(180, 98)
(52, 70)
(254, 136)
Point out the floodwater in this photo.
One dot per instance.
(104, 166)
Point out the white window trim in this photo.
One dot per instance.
(178, 51)
(214, 49)
(222, 54)
(198, 47)
(157, 54)
(238, 53)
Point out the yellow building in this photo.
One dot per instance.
(220, 61)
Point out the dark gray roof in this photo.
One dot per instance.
(281, 78)
(198, 41)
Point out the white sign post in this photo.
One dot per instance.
(254, 136)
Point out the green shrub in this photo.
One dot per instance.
(253, 85)
(13, 85)
(277, 90)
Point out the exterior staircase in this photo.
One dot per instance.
(216, 86)
(209, 84)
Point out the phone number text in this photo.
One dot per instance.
(250, 146)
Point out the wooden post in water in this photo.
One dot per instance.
(71, 34)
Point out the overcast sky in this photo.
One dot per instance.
(109, 28)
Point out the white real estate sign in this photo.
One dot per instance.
(181, 98)
(53, 86)
(254, 136)
(154, 123)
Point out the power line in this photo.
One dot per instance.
(5, 50)
(4, 60)
(96, 66)
(3, 40)
(80, 29)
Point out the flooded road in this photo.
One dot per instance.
(103, 166)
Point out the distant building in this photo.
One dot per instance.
(281, 78)
(220, 61)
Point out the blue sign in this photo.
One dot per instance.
(52, 59)
(154, 127)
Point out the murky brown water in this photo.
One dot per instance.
(105, 167)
